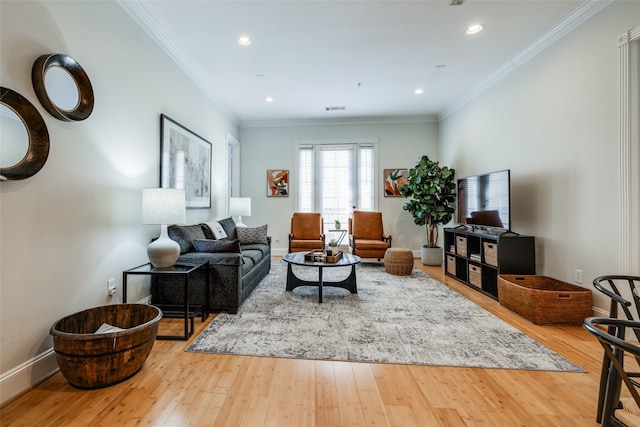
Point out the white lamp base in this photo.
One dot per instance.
(163, 252)
(239, 222)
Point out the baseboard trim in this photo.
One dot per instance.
(24, 377)
(599, 312)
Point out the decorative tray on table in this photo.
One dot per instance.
(318, 255)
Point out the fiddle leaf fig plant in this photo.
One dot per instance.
(431, 190)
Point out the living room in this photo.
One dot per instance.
(554, 121)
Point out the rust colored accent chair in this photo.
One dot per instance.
(366, 236)
(307, 232)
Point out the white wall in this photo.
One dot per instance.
(554, 123)
(400, 145)
(77, 223)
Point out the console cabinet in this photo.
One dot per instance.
(477, 258)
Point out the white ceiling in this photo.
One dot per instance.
(368, 56)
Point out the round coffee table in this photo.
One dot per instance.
(297, 258)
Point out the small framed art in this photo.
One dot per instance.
(277, 183)
(392, 179)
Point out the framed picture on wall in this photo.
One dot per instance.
(277, 183)
(185, 162)
(392, 179)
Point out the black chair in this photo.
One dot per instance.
(617, 411)
(618, 288)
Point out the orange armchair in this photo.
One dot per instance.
(307, 232)
(366, 236)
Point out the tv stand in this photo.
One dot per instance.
(477, 258)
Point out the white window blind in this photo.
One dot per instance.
(336, 181)
(366, 179)
(305, 179)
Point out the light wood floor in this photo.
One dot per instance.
(176, 388)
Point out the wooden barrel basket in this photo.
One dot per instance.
(91, 360)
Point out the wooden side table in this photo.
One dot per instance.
(185, 271)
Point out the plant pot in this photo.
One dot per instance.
(431, 256)
(338, 225)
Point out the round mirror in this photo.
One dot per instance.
(62, 87)
(25, 139)
(14, 139)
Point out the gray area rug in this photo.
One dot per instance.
(392, 319)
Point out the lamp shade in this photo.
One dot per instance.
(163, 206)
(240, 206)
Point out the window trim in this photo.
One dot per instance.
(359, 142)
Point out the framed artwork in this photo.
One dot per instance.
(277, 183)
(185, 162)
(392, 179)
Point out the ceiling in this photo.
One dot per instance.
(367, 56)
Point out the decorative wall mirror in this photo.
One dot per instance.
(24, 139)
(62, 87)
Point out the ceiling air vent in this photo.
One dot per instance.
(335, 108)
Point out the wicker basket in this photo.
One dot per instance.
(89, 360)
(545, 301)
(490, 253)
(475, 275)
(398, 261)
(461, 245)
(451, 265)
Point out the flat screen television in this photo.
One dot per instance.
(484, 201)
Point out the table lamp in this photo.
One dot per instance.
(240, 206)
(163, 206)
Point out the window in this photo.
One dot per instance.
(333, 178)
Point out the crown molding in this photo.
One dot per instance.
(339, 121)
(564, 27)
(141, 16)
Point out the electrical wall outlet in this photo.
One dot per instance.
(578, 278)
(111, 287)
(276, 237)
(401, 238)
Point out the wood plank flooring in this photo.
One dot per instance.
(175, 388)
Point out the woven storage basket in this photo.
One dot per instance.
(451, 265)
(398, 261)
(544, 300)
(475, 275)
(461, 245)
(490, 253)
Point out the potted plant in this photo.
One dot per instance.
(337, 224)
(431, 192)
(333, 247)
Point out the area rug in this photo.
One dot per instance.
(392, 319)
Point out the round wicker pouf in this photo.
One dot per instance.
(398, 261)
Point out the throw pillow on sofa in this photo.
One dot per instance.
(229, 226)
(214, 230)
(252, 235)
(185, 235)
(216, 246)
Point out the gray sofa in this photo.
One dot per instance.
(233, 275)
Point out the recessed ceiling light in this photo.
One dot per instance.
(244, 40)
(474, 29)
(269, 99)
(418, 91)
